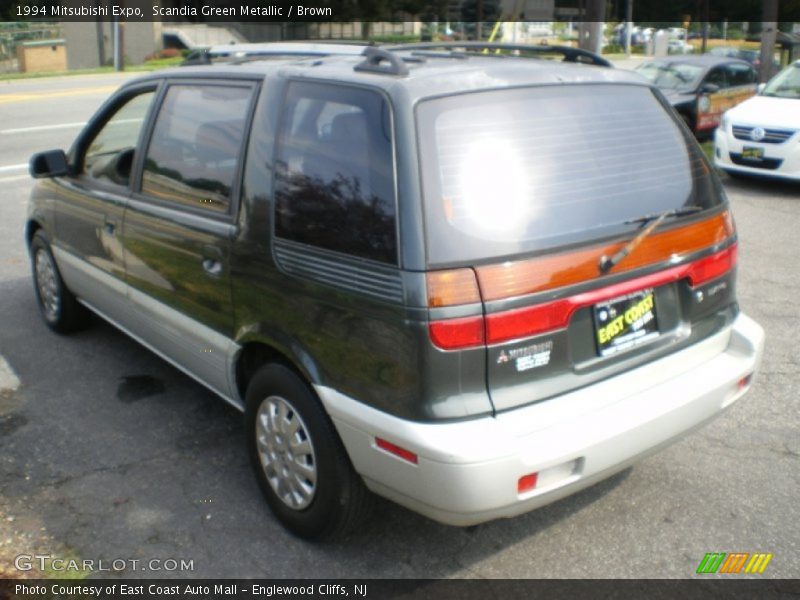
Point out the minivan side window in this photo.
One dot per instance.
(740, 75)
(334, 176)
(717, 77)
(109, 157)
(194, 150)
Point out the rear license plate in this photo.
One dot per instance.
(752, 153)
(625, 322)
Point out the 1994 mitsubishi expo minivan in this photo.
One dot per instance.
(471, 283)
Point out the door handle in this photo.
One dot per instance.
(212, 267)
(110, 226)
(212, 260)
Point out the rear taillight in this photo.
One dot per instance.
(457, 334)
(535, 320)
(454, 288)
(522, 277)
(713, 266)
(463, 286)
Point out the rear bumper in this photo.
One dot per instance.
(467, 472)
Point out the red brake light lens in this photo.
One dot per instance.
(713, 266)
(455, 334)
(469, 332)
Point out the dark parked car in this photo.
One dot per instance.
(701, 88)
(471, 283)
(748, 54)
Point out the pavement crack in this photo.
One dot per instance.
(119, 468)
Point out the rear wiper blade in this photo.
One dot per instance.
(606, 263)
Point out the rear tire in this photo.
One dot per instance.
(300, 462)
(59, 307)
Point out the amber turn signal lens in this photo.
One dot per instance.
(568, 268)
(451, 288)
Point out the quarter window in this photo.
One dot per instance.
(194, 150)
(109, 157)
(741, 75)
(334, 181)
(717, 77)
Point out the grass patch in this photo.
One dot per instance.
(13, 76)
(708, 149)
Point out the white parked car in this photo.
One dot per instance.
(761, 136)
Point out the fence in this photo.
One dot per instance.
(13, 34)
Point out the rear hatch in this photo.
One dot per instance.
(585, 220)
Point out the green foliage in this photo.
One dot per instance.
(485, 11)
(394, 38)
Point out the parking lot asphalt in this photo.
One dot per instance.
(107, 452)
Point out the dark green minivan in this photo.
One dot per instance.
(471, 283)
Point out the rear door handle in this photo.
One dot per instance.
(212, 260)
(212, 267)
(110, 226)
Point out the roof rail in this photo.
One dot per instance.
(383, 61)
(244, 52)
(570, 54)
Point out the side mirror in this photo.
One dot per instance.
(760, 88)
(709, 88)
(52, 163)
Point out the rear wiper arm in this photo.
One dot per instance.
(606, 263)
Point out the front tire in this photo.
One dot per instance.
(60, 309)
(299, 460)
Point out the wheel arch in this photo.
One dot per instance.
(257, 352)
(31, 227)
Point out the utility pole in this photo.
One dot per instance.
(479, 24)
(705, 27)
(769, 34)
(592, 34)
(116, 35)
(628, 27)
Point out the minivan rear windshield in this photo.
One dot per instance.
(516, 171)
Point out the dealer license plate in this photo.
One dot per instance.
(752, 153)
(625, 322)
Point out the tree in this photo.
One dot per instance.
(476, 14)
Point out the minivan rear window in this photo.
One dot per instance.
(517, 171)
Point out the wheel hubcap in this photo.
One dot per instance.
(47, 285)
(286, 452)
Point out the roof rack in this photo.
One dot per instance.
(569, 54)
(244, 52)
(383, 61)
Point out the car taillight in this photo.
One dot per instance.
(452, 288)
(455, 287)
(538, 319)
(462, 286)
(713, 266)
(522, 277)
(457, 334)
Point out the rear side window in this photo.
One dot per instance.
(518, 171)
(334, 177)
(741, 75)
(195, 146)
(718, 77)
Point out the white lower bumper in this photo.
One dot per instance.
(467, 472)
(788, 152)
